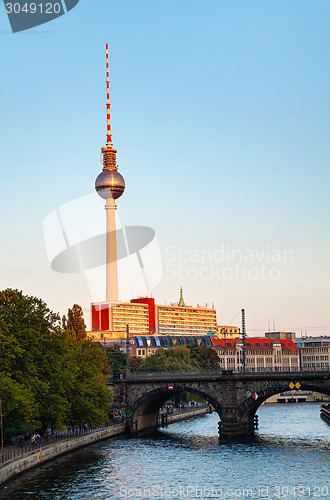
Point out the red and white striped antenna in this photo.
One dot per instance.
(109, 138)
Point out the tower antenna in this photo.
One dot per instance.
(109, 138)
(110, 185)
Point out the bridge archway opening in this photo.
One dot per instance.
(248, 409)
(144, 412)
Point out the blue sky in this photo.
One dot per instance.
(220, 114)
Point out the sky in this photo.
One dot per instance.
(220, 115)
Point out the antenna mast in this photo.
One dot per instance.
(109, 138)
(244, 340)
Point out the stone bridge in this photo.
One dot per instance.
(235, 396)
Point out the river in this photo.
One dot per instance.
(288, 459)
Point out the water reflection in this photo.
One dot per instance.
(290, 448)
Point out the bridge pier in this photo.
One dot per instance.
(232, 425)
(232, 430)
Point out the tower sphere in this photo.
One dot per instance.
(110, 184)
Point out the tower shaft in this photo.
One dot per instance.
(111, 252)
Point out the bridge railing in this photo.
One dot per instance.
(214, 373)
(176, 374)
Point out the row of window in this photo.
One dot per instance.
(315, 358)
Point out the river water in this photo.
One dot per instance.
(288, 459)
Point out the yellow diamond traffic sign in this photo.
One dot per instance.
(291, 385)
(298, 385)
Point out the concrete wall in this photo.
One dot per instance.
(37, 457)
(178, 417)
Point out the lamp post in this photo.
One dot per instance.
(127, 352)
(244, 340)
(1, 422)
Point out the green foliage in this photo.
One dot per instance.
(89, 396)
(116, 359)
(47, 376)
(135, 363)
(19, 407)
(181, 358)
(205, 357)
(175, 359)
(75, 323)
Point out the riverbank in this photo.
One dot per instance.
(37, 457)
(40, 455)
(191, 413)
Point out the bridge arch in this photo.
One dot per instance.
(144, 411)
(248, 408)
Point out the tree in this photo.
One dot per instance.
(33, 369)
(135, 363)
(116, 359)
(89, 396)
(75, 323)
(181, 358)
(174, 359)
(48, 375)
(205, 357)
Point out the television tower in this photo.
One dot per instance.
(110, 185)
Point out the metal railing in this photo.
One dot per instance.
(21, 448)
(216, 373)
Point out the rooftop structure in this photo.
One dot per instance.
(280, 335)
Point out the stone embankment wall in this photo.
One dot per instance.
(197, 412)
(34, 458)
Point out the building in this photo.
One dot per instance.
(145, 346)
(144, 317)
(314, 352)
(280, 335)
(261, 354)
(113, 318)
(185, 320)
(228, 332)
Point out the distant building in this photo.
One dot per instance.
(261, 354)
(228, 332)
(314, 352)
(145, 346)
(144, 317)
(280, 335)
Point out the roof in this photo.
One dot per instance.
(171, 340)
(255, 344)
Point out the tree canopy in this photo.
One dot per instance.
(48, 375)
(174, 359)
(116, 359)
(181, 358)
(205, 357)
(74, 323)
